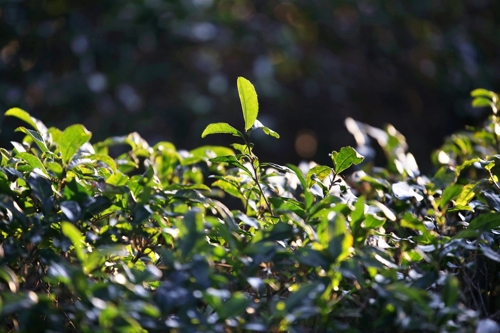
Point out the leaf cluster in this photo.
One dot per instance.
(148, 241)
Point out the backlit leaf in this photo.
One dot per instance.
(24, 116)
(37, 138)
(249, 101)
(72, 139)
(34, 162)
(220, 128)
(76, 238)
(346, 157)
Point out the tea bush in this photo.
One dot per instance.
(146, 242)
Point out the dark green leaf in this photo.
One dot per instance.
(71, 209)
(42, 190)
(485, 222)
(492, 199)
(234, 307)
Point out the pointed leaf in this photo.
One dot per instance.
(345, 158)
(220, 128)
(34, 162)
(450, 193)
(267, 130)
(482, 102)
(249, 101)
(72, 139)
(480, 92)
(24, 116)
(36, 136)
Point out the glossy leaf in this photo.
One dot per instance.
(36, 137)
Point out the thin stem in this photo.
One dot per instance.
(256, 180)
(492, 179)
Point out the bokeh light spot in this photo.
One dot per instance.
(306, 143)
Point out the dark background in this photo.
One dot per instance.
(168, 68)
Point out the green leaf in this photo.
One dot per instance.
(270, 132)
(72, 139)
(480, 102)
(321, 172)
(450, 193)
(466, 195)
(204, 153)
(267, 130)
(40, 142)
(286, 205)
(24, 116)
(106, 159)
(345, 158)
(34, 162)
(485, 222)
(117, 179)
(190, 227)
(373, 221)
(249, 101)
(76, 238)
(480, 92)
(221, 128)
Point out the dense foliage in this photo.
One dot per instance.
(214, 240)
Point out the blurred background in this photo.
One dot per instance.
(167, 68)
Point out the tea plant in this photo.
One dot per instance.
(143, 242)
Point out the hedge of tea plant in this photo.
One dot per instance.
(159, 239)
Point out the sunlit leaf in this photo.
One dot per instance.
(249, 101)
(72, 139)
(320, 171)
(221, 128)
(24, 116)
(346, 157)
(34, 162)
(76, 238)
(37, 138)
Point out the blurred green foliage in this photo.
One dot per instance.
(163, 68)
